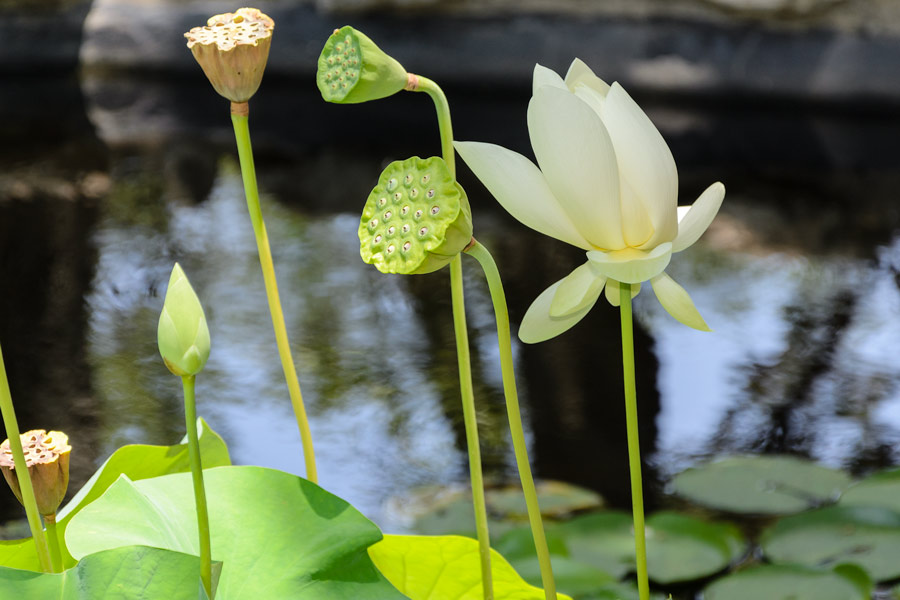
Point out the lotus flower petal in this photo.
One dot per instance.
(544, 76)
(579, 289)
(631, 265)
(698, 217)
(581, 74)
(538, 325)
(677, 302)
(577, 158)
(519, 187)
(645, 162)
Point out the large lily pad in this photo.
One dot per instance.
(133, 572)
(447, 567)
(277, 535)
(865, 536)
(764, 485)
(679, 547)
(880, 489)
(791, 582)
(137, 461)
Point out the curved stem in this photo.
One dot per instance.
(634, 446)
(468, 402)
(498, 297)
(462, 352)
(53, 542)
(25, 487)
(248, 172)
(190, 421)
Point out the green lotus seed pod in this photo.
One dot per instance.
(183, 335)
(353, 69)
(416, 219)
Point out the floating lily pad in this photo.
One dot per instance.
(679, 547)
(556, 499)
(791, 582)
(880, 489)
(764, 485)
(447, 568)
(277, 535)
(865, 536)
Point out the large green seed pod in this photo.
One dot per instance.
(416, 219)
(183, 334)
(353, 69)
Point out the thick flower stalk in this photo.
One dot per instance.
(607, 183)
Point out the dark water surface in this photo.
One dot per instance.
(106, 182)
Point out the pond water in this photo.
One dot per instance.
(106, 182)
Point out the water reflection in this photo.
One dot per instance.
(798, 277)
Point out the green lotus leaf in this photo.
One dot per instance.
(132, 572)
(416, 220)
(679, 547)
(867, 536)
(277, 535)
(791, 582)
(879, 489)
(763, 485)
(447, 567)
(137, 461)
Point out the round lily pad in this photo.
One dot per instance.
(790, 582)
(679, 547)
(763, 485)
(556, 499)
(880, 489)
(863, 535)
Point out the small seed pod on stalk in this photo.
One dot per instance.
(416, 220)
(353, 69)
(47, 458)
(232, 49)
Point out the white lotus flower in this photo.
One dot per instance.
(607, 183)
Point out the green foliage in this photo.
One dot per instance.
(879, 489)
(135, 461)
(446, 567)
(183, 334)
(277, 535)
(132, 572)
(764, 485)
(791, 582)
(416, 220)
(863, 535)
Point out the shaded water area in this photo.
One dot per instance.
(107, 181)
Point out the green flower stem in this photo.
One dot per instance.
(53, 542)
(28, 499)
(468, 402)
(190, 421)
(248, 172)
(498, 297)
(634, 447)
(462, 351)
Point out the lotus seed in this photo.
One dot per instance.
(392, 183)
(390, 249)
(408, 179)
(404, 210)
(418, 214)
(352, 50)
(413, 192)
(406, 246)
(398, 196)
(373, 223)
(389, 214)
(423, 231)
(390, 230)
(382, 201)
(348, 40)
(426, 178)
(430, 193)
(339, 47)
(330, 61)
(378, 239)
(405, 228)
(435, 210)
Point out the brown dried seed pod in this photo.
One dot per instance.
(47, 460)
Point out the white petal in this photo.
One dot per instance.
(580, 73)
(636, 225)
(519, 187)
(614, 291)
(544, 76)
(630, 265)
(677, 302)
(579, 289)
(577, 159)
(538, 325)
(698, 217)
(682, 212)
(645, 161)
